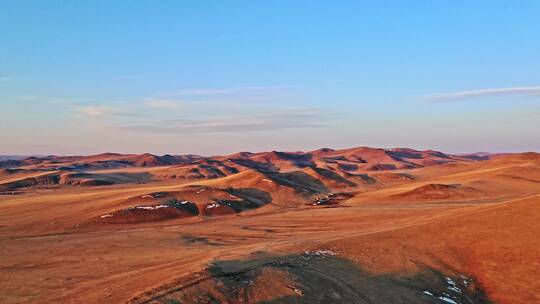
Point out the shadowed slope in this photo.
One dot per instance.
(319, 277)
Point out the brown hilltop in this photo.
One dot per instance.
(439, 191)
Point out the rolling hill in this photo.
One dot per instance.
(359, 225)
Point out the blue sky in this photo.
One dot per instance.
(213, 77)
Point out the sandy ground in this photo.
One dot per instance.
(49, 255)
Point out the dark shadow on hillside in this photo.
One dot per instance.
(320, 277)
(301, 182)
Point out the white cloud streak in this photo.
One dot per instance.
(94, 111)
(485, 93)
(273, 120)
(166, 104)
(232, 90)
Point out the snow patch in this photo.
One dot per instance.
(321, 252)
(153, 195)
(446, 299)
(465, 280)
(452, 285)
(106, 215)
(152, 207)
(213, 205)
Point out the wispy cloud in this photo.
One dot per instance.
(484, 93)
(166, 104)
(176, 105)
(276, 120)
(233, 90)
(28, 97)
(223, 97)
(94, 111)
(98, 111)
(204, 111)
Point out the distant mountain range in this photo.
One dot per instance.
(353, 159)
(14, 157)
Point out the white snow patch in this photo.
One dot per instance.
(447, 299)
(152, 207)
(147, 196)
(106, 215)
(200, 191)
(266, 180)
(465, 279)
(321, 252)
(213, 205)
(452, 285)
(144, 207)
(296, 290)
